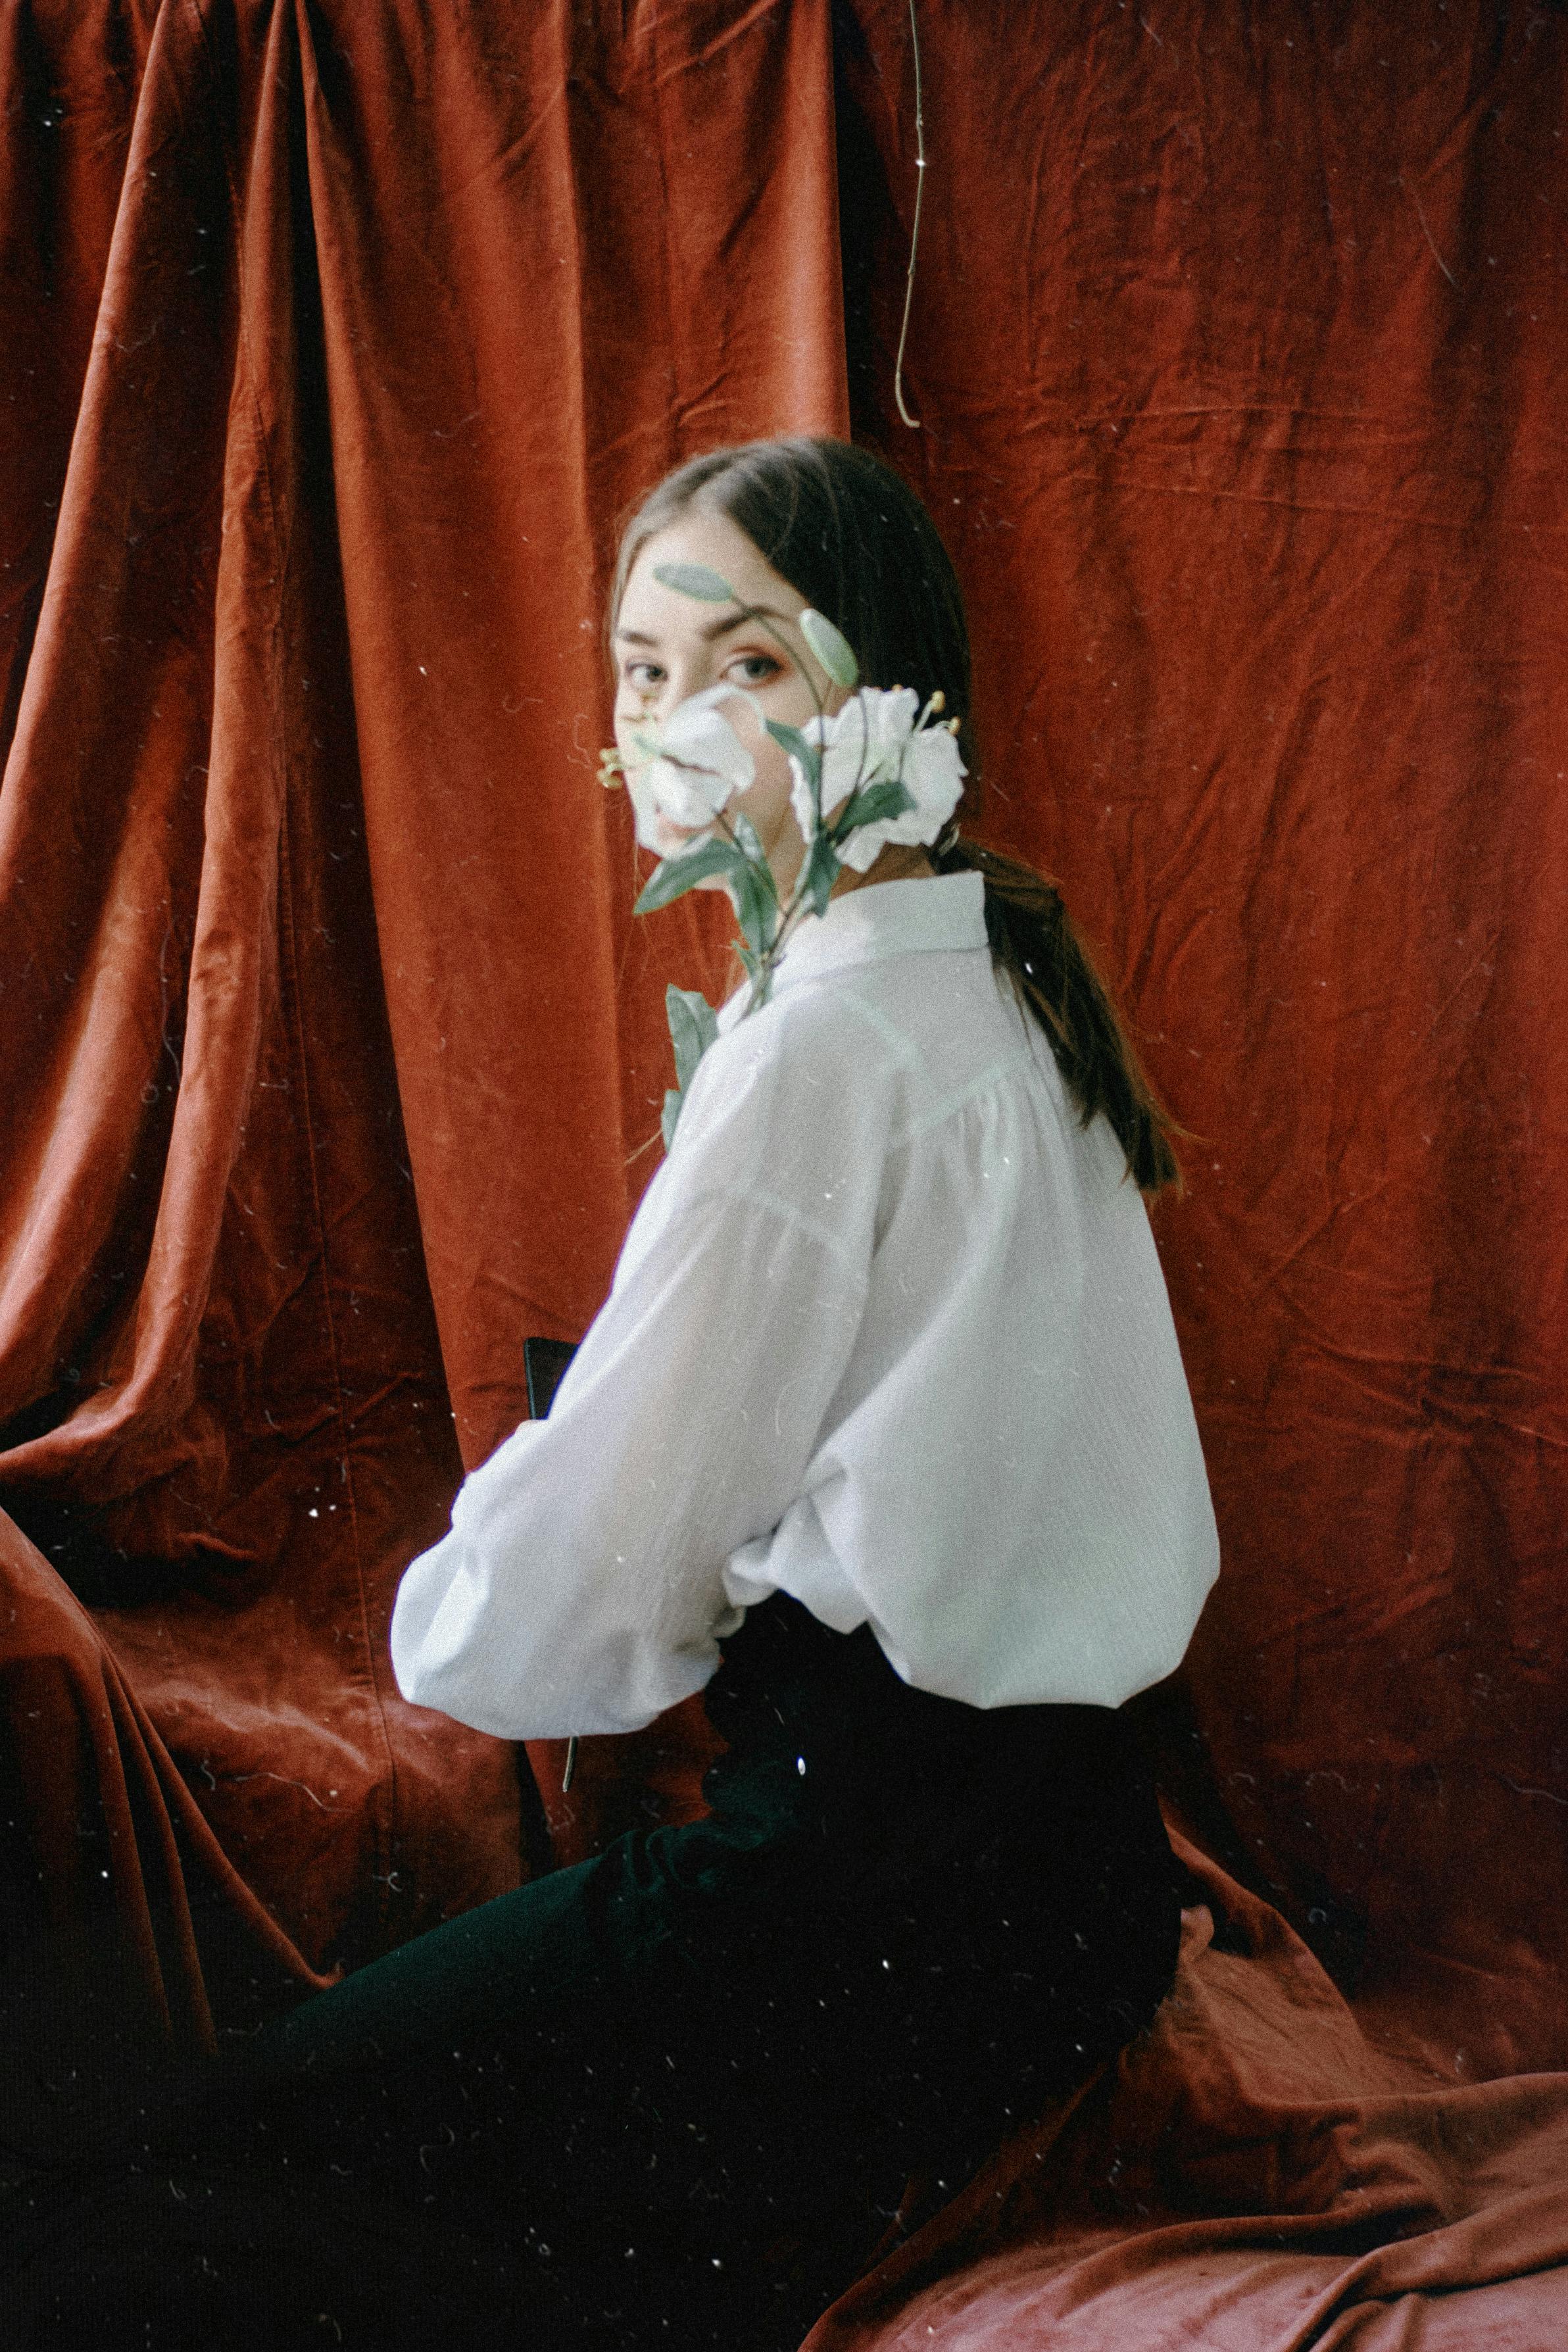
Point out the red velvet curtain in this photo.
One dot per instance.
(333, 342)
(330, 1042)
(1240, 352)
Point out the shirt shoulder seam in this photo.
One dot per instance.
(958, 1097)
(761, 1196)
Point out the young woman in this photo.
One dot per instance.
(881, 1442)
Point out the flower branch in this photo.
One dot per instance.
(884, 770)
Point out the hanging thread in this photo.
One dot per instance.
(915, 226)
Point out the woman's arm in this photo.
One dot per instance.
(580, 1589)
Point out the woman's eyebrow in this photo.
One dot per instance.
(714, 628)
(751, 613)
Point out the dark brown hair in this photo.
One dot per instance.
(856, 543)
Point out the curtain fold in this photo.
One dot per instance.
(291, 1169)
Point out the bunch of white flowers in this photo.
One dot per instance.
(878, 770)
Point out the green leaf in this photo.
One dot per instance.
(752, 962)
(670, 1114)
(676, 876)
(696, 580)
(831, 646)
(748, 839)
(874, 806)
(693, 1025)
(755, 907)
(822, 871)
(795, 744)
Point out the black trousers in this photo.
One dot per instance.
(673, 2095)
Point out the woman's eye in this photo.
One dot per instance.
(756, 669)
(642, 676)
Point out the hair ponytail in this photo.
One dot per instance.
(1033, 939)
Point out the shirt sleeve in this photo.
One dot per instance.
(580, 1589)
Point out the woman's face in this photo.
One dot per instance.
(669, 646)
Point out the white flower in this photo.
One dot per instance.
(873, 741)
(698, 766)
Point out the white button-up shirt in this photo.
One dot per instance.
(889, 1333)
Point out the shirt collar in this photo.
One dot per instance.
(944, 911)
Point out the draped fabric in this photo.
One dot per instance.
(1253, 2176)
(332, 343)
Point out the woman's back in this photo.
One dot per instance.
(1007, 1481)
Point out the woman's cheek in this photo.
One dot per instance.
(767, 803)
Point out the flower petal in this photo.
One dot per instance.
(700, 765)
(801, 802)
(926, 763)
